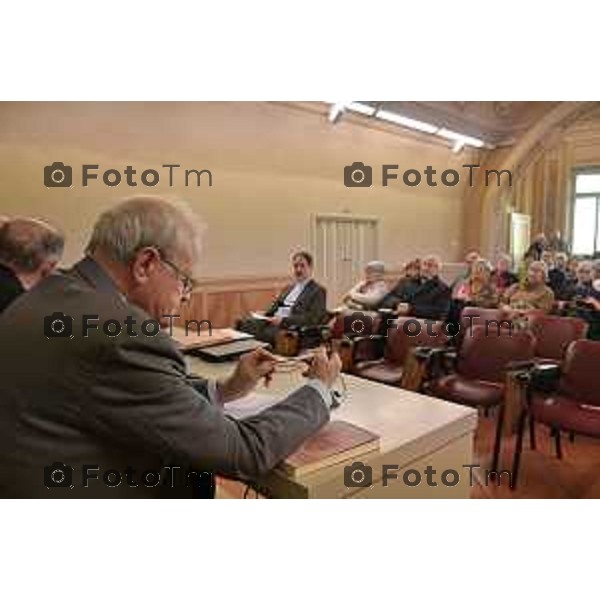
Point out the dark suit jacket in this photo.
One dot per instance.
(10, 287)
(431, 300)
(401, 292)
(122, 402)
(309, 309)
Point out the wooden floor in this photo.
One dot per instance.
(576, 475)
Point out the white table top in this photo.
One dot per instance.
(398, 416)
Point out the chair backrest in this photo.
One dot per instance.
(409, 333)
(342, 324)
(554, 334)
(581, 372)
(486, 351)
(473, 316)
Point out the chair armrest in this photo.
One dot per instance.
(438, 360)
(541, 378)
(520, 365)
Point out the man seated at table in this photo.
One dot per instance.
(369, 292)
(302, 303)
(80, 403)
(29, 251)
(431, 299)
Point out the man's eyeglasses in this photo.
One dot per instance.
(186, 281)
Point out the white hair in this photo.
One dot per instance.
(147, 221)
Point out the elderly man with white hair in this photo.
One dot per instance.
(29, 251)
(369, 292)
(89, 412)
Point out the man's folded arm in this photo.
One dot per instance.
(142, 397)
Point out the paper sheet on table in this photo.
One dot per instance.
(250, 405)
(259, 316)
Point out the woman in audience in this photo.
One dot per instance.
(502, 276)
(367, 294)
(479, 289)
(557, 277)
(531, 295)
(463, 278)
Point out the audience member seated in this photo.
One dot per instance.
(558, 280)
(431, 299)
(478, 290)
(303, 303)
(502, 275)
(585, 299)
(571, 270)
(369, 293)
(537, 247)
(406, 286)
(29, 252)
(462, 279)
(531, 295)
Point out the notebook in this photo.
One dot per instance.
(337, 442)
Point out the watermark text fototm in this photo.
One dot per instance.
(360, 175)
(359, 475)
(61, 475)
(60, 175)
(60, 325)
(361, 324)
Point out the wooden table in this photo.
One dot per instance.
(416, 432)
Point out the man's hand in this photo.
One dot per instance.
(251, 368)
(327, 370)
(275, 321)
(403, 308)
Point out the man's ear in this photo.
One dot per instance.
(144, 264)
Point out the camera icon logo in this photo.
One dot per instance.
(58, 175)
(358, 175)
(358, 324)
(58, 325)
(58, 475)
(358, 475)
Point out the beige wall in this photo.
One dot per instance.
(273, 165)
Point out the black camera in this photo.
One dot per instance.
(358, 324)
(58, 325)
(358, 175)
(358, 475)
(58, 475)
(58, 175)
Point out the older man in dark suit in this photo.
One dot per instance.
(88, 411)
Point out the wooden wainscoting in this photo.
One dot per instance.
(224, 300)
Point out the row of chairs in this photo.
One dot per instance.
(558, 369)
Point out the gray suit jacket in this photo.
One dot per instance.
(124, 404)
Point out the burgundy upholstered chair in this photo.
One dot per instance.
(572, 404)
(409, 333)
(554, 334)
(479, 371)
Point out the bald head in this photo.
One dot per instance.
(30, 248)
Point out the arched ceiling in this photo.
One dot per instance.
(496, 123)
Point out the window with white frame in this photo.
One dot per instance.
(585, 234)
